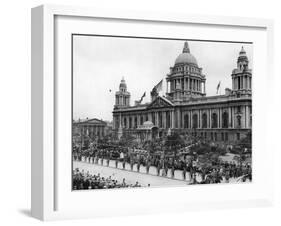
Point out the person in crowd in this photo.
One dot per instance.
(166, 169)
(124, 163)
(158, 168)
(132, 164)
(138, 166)
(147, 166)
(173, 171)
(184, 172)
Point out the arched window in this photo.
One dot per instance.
(153, 117)
(185, 121)
(116, 122)
(239, 121)
(225, 120)
(168, 120)
(214, 120)
(204, 120)
(160, 120)
(125, 122)
(195, 121)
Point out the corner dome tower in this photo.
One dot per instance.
(186, 57)
(122, 97)
(242, 75)
(123, 85)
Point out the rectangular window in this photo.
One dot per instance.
(238, 136)
(226, 136)
(239, 109)
(222, 136)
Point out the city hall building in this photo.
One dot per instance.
(185, 108)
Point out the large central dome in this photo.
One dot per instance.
(186, 57)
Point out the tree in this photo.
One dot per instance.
(174, 142)
(127, 140)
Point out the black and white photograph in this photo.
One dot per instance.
(156, 112)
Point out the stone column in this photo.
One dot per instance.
(199, 119)
(178, 118)
(220, 118)
(191, 119)
(149, 117)
(128, 121)
(164, 119)
(233, 119)
(210, 118)
(133, 121)
(156, 119)
(229, 118)
(172, 119)
(250, 83)
(193, 84)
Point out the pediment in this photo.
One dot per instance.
(92, 121)
(160, 102)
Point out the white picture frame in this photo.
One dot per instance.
(46, 161)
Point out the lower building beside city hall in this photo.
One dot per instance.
(185, 108)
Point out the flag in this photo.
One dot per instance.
(218, 86)
(142, 97)
(158, 87)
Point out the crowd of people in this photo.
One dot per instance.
(82, 181)
(191, 168)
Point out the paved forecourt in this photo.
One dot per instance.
(132, 177)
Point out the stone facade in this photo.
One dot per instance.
(186, 108)
(92, 128)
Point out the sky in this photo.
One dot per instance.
(99, 63)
